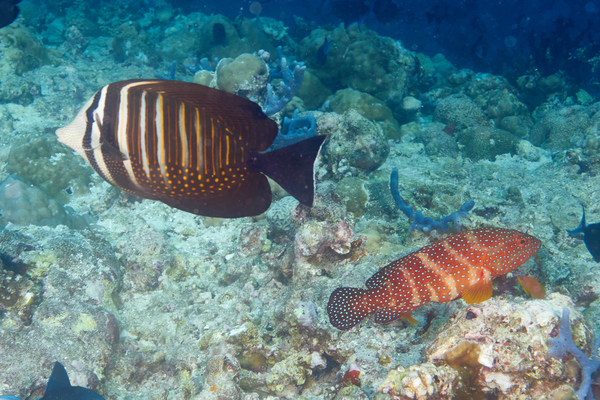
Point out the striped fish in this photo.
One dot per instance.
(460, 266)
(190, 146)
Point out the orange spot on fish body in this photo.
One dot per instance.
(460, 266)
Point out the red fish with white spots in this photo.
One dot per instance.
(460, 266)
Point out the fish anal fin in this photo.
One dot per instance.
(58, 379)
(478, 292)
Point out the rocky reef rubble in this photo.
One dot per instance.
(498, 348)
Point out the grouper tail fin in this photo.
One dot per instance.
(348, 306)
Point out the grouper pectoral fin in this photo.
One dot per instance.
(478, 292)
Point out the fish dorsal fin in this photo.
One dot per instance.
(58, 379)
(478, 292)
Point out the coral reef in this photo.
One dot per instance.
(21, 50)
(564, 128)
(150, 302)
(502, 347)
(363, 61)
(246, 75)
(220, 378)
(482, 142)
(22, 204)
(45, 163)
(563, 344)
(355, 146)
(459, 110)
(368, 106)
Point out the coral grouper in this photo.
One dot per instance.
(460, 266)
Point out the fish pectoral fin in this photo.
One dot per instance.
(112, 151)
(408, 317)
(479, 292)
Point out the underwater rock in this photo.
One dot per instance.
(220, 378)
(362, 60)
(353, 194)
(535, 89)
(73, 318)
(438, 142)
(16, 89)
(357, 146)
(22, 51)
(204, 77)
(45, 163)
(482, 142)
(241, 36)
(17, 295)
(279, 216)
(21, 205)
(246, 75)
(130, 41)
(252, 240)
(368, 106)
(291, 371)
(315, 237)
(502, 346)
(480, 85)
(422, 382)
(564, 128)
(312, 91)
(459, 110)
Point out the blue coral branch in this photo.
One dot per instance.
(170, 75)
(291, 79)
(563, 344)
(294, 130)
(427, 224)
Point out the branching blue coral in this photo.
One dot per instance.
(294, 130)
(170, 75)
(427, 224)
(203, 64)
(563, 344)
(291, 80)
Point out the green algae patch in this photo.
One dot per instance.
(85, 323)
(41, 262)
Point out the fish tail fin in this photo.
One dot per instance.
(292, 167)
(348, 306)
(581, 227)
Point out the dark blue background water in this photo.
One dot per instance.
(509, 37)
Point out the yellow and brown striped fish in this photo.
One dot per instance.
(190, 146)
(460, 266)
